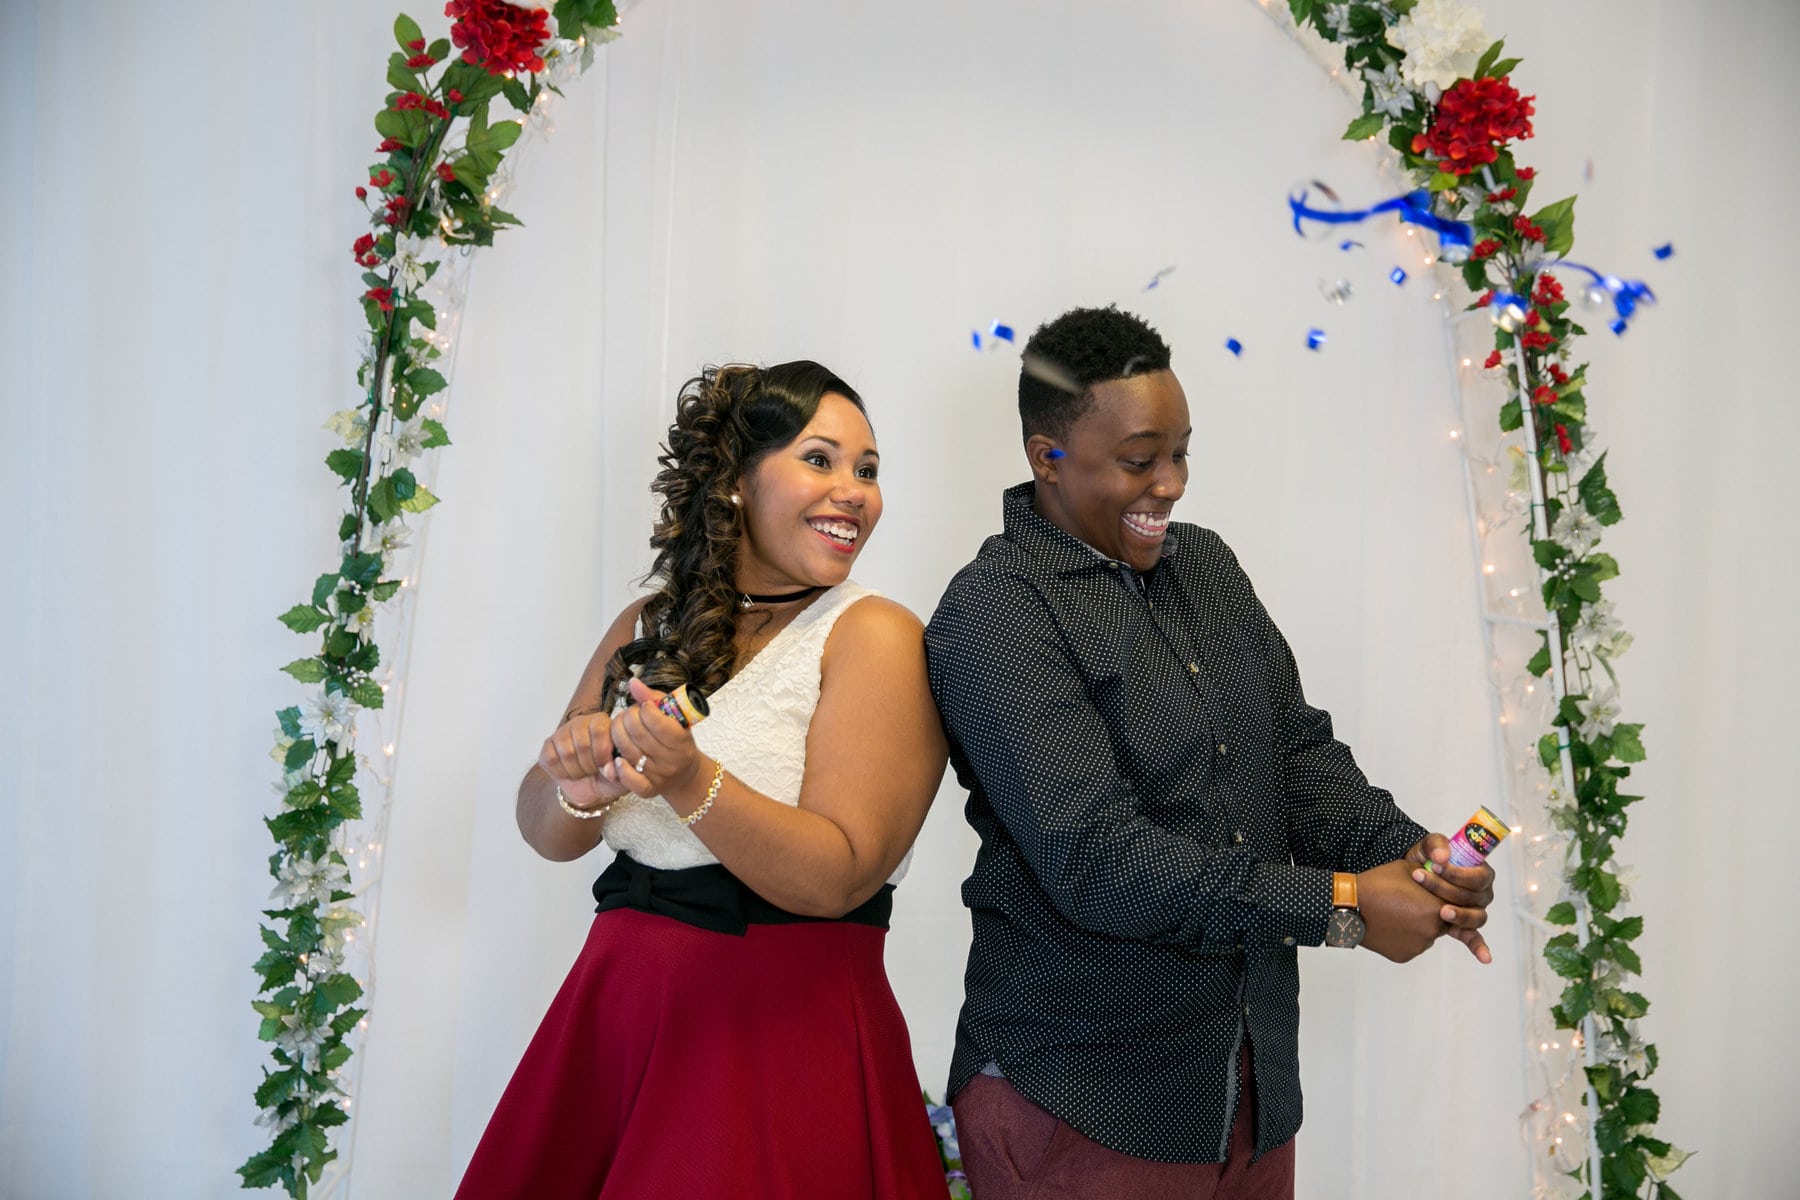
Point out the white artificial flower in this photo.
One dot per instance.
(384, 539)
(402, 441)
(327, 717)
(1442, 41)
(1575, 530)
(411, 253)
(1338, 17)
(1626, 877)
(276, 1121)
(1392, 96)
(321, 965)
(350, 424)
(362, 621)
(335, 927)
(1631, 1052)
(1599, 632)
(1599, 713)
(303, 881)
(1559, 798)
(300, 1039)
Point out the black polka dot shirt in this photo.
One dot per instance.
(1160, 812)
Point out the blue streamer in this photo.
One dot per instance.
(1158, 277)
(1455, 238)
(1627, 294)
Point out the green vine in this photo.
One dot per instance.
(1474, 178)
(430, 195)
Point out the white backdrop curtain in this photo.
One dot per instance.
(862, 184)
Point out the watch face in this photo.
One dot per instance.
(1344, 928)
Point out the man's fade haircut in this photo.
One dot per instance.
(1066, 357)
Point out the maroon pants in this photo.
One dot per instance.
(1014, 1150)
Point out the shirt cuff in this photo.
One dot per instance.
(1295, 903)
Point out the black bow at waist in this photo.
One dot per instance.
(710, 897)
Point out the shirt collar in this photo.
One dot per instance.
(1062, 551)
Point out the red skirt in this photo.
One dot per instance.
(680, 1062)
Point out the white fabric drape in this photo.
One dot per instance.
(862, 184)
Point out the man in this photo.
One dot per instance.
(1163, 818)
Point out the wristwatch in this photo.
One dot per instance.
(1344, 927)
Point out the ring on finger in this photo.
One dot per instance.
(642, 759)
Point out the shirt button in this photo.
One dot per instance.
(1246, 1010)
(1287, 941)
(1193, 668)
(1237, 837)
(1223, 749)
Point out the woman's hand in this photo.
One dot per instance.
(573, 757)
(654, 753)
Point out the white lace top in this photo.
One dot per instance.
(757, 728)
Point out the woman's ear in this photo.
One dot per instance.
(1043, 453)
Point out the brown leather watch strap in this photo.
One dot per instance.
(1343, 890)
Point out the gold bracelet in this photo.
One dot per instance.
(712, 793)
(580, 814)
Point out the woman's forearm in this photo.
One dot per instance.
(547, 829)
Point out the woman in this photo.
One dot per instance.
(728, 1029)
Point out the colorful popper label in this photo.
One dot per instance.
(1477, 839)
(688, 707)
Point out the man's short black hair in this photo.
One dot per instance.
(1067, 356)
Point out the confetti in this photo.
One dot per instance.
(1051, 372)
(1666, 250)
(1455, 238)
(1236, 347)
(1315, 338)
(1398, 276)
(1158, 277)
(1338, 293)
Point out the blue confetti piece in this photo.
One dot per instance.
(1666, 250)
(1054, 453)
(1626, 294)
(1315, 338)
(1350, 245)
(975, 338)
(1236, 347)
(1003, 332)
(1398, 276)
(1618, 327)
(1158, 277)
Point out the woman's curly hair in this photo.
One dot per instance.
(727, 420)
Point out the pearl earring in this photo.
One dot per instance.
(736, 499)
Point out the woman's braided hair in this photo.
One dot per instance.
(727, 420)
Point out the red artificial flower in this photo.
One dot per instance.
(1543, 394)
(1473, 120)
(446, 172)
(1531, 318)
(1526, 173)
(1557, 373)
(362, 193)
(389, 145)
(407, 101)
(382, 296)
(1562, 439)
(421, 60)
(416, 44)
(1503, 195)
(1549, 291)
(381, 178)
(364, 251)
(1493, 360)
(1486, 298)
(1526, 227)
(1485, 248)
(396, 209)
(499, 38)
(456, 97)
(1538, 341)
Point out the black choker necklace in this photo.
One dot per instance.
(747, 599)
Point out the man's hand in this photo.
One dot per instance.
(1402, 919)
(1465, 892)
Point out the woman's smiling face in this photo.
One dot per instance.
(810, 506)
(1124, 464)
